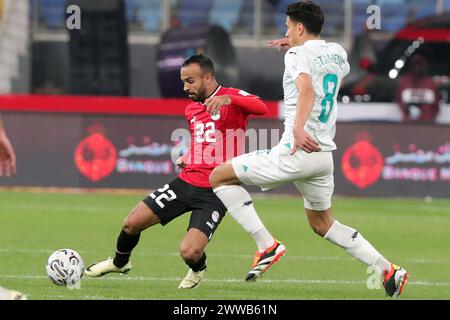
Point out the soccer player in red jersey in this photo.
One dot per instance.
(216, 117)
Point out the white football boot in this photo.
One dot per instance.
(192, 279)
(101, 268)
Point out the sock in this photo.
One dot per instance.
(199, 265)
(355, 244)
(240, 206)
(125, 244)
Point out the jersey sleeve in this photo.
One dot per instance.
(346, 69)
(296, 63)
(187, 113)
(248, 103)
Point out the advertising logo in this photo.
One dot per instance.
(362, 162)
(148, 157)
(418, 165)
(95, 156)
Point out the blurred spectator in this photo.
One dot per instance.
(417, 95)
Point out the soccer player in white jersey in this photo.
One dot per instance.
(313, 73)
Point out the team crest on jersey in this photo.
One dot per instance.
(215, 116)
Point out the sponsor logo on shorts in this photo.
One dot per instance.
(215, 216)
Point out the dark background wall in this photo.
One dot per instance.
(260, 70)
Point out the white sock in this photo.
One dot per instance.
(240, 206)
(355, 244)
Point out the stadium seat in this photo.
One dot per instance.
(149, 14)
(422, 9)
(280, 15)
(52, 13)
(360, 16)
(194, 12)
(393, 19)
(268, 12)
(14, 41)
(333, 12)
(225, 13)
(131, 8)
(246, 17)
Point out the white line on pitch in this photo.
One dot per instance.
(307, 281)
(288, 257)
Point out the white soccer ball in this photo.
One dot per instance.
(65, 267)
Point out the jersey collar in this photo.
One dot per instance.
(212, 94)
(315, 42)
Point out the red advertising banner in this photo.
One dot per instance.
(94, 150)
(382, 159)
(105, 105)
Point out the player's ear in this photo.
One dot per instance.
(208, 77)
(300, 28)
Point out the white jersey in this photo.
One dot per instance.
(327, 64)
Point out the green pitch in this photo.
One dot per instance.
(412, 233)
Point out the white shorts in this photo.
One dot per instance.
(312, 173)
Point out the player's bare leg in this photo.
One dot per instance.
(140, 218)
(192, 251)
(239, 203)
(322, 222)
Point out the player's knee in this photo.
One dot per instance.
(129, 228)
(190, 254)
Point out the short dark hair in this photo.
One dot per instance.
(205, 63)
(307, 13)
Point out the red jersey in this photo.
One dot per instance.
(217, 138)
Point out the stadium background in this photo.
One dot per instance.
(68, 97)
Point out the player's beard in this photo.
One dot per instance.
(200, 96)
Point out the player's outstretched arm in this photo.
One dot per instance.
(250, 104)
(280, 44)
(7, 155)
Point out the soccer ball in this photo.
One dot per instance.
(65, 267)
